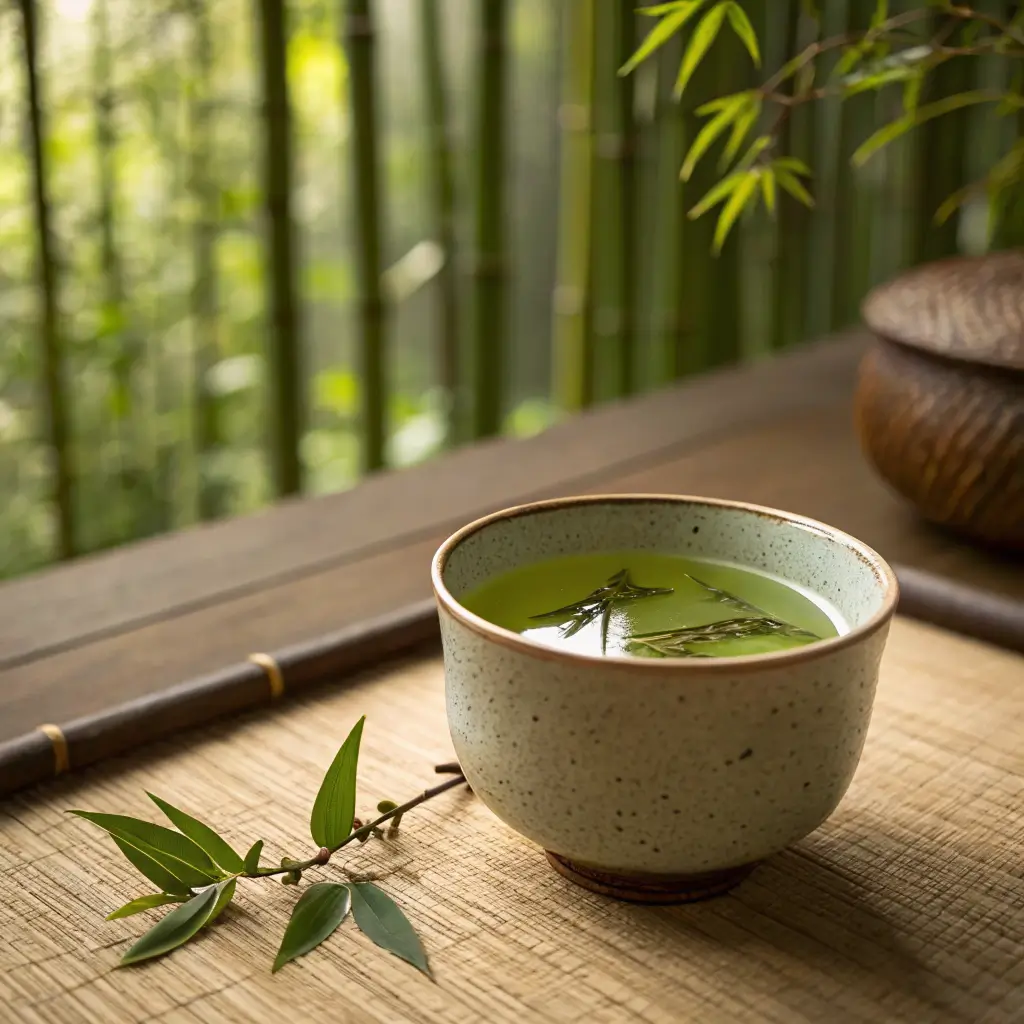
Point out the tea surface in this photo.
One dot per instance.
(649, 604)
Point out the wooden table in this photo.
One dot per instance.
(908, 905)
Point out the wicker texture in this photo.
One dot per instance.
(966, 308)
(908, 905)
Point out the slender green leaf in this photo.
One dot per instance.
(742, 27)
(886, 134)
(225, 894)
(152, 869)
(316, 916)
(202, 835)
(793, 164)
(381, 919)
(849, 60)
(700, 42)
(137, 906)
(716, 194)
(794, 186)
(768, 189)
(757, 147)
(177, 927)
(335, 805)
(174, 851)
(657, 10)
(733, 208)
(740, 130)
(912, 92)
(881, 13)
(671, 23)
(705, 137)
(875, 80)
(252, 858)
(952, 203)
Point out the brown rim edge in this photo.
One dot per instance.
(750, 662)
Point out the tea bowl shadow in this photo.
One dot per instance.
(831, 915)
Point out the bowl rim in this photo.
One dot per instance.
(883, 573)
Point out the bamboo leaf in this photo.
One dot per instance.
(381, 919)
(705, 137)
(225, 893)
(657, 10)
(177, 927)
(793, 164)
(137, 906)
(740, 130)
(700, 42)
(335, 804)
(886, 134)
(717, 194)
(315, 917)
(881, 13)
(733, 208)
(177, 853)
(202, 835)
(912, 92)
(757, 147)
(768, 189)
(252, 858)
(742, 27)
(794, 187)
(671, 23)
(952, 203)
(152, 869)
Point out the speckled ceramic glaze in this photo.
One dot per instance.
(661, 779)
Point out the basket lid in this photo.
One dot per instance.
(969, 308)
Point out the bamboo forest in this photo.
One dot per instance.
(251, 249)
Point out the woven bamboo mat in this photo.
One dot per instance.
(907, 905)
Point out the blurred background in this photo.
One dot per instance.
(254, 248)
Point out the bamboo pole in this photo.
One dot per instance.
(55, 397)
(287, 407)
(613, 206)
(572, 341)
(359, 35)
(204, 294)
(442, 195)
(489, 260)
(942, 145)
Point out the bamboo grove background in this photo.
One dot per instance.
(254, 248)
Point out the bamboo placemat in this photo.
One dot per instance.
(907, 905)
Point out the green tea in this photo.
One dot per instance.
(649, 604)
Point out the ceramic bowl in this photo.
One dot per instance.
(661, 780)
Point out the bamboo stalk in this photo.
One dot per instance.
(613, 220)
(287, 407)
(359, 34)
(942, 148)
(830, 184)
(55, 398)
(671, 228)
(489, 260)
(572, 341)
(443, 200)
(204, 295)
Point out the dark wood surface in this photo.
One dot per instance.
(78, 639)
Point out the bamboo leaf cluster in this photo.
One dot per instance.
(892, 50)
(197, 870)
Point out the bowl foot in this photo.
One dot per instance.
(644, 888)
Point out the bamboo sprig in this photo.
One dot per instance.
(598, 605)
(676, 643)
(197, 869)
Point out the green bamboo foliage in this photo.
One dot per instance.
(613, 220)
(359, 35)
(287, 408)
(204, 297)
(572, 340)
(489, 259)
(55, 395)
(442, 193)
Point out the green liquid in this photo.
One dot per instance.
(597, 609)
